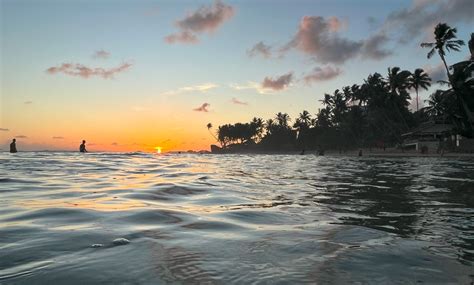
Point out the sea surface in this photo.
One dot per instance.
(137, 218)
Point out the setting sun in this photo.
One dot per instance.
(158, 149)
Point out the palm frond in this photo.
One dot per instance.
(431, 53)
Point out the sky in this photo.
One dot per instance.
(134, 75)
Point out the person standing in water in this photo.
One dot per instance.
(13, 146)
(82, 147)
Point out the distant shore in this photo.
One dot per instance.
(355, 153)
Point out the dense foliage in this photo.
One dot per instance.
(374, 113)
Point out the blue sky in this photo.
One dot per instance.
(161, 84)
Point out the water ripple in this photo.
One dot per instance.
(237, 219)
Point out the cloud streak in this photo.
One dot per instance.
(238, 102)
(204, 108)
(58, 138)
(4, 130)
(206, 19)
(322, 74)
(80, 70)
(202, 88)
(21, 137)
(278, 83)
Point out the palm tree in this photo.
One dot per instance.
(270, 125)
(435, 104)
(209, 127)
(398, 80)
(418, 79)
(445, 40)
(282, 119)
(305, 117)
(258, 125)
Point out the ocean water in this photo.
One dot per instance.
(135, 218)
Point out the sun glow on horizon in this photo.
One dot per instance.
(158, 149)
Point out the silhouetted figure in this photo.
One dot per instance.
(13, 146)
(360, 152)
(302, 152)
(82, 147)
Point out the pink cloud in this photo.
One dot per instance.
(238, 102)
(204, 108)
(322, 74)
(182, 37)
(83, 71)
(205, 19)
(319, 38)
(278, 83)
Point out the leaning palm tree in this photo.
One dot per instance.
(445, 40)
(419, 79)
(209, 127)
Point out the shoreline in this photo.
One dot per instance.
(355, 153)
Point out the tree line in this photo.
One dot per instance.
(374, 113)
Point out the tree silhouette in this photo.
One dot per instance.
(445, 40)
(419, 79)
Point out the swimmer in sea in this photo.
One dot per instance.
(13, 146)
(82, 147)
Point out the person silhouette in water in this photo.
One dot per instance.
(13, 146)
(82, 147)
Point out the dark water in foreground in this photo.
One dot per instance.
(234, 219)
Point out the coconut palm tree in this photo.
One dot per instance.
(445, 40)
(418, 79)
(209, 127)
(283, 119)
(270, 125)
(398, 79)
(305, 117)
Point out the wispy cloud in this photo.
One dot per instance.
(114, 144)
(21, 137)
(260, 48)
(28, 102)
(418, 20)
(4, 130)
(204, 108)
(101, 54)
(58, 138)
(83, 71)
(238, 102)
(182, 37)
(251, 85)
(278, 83)
(195, 88)
(322, 74)
(206, 19)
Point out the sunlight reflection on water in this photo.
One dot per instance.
(234, 219)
